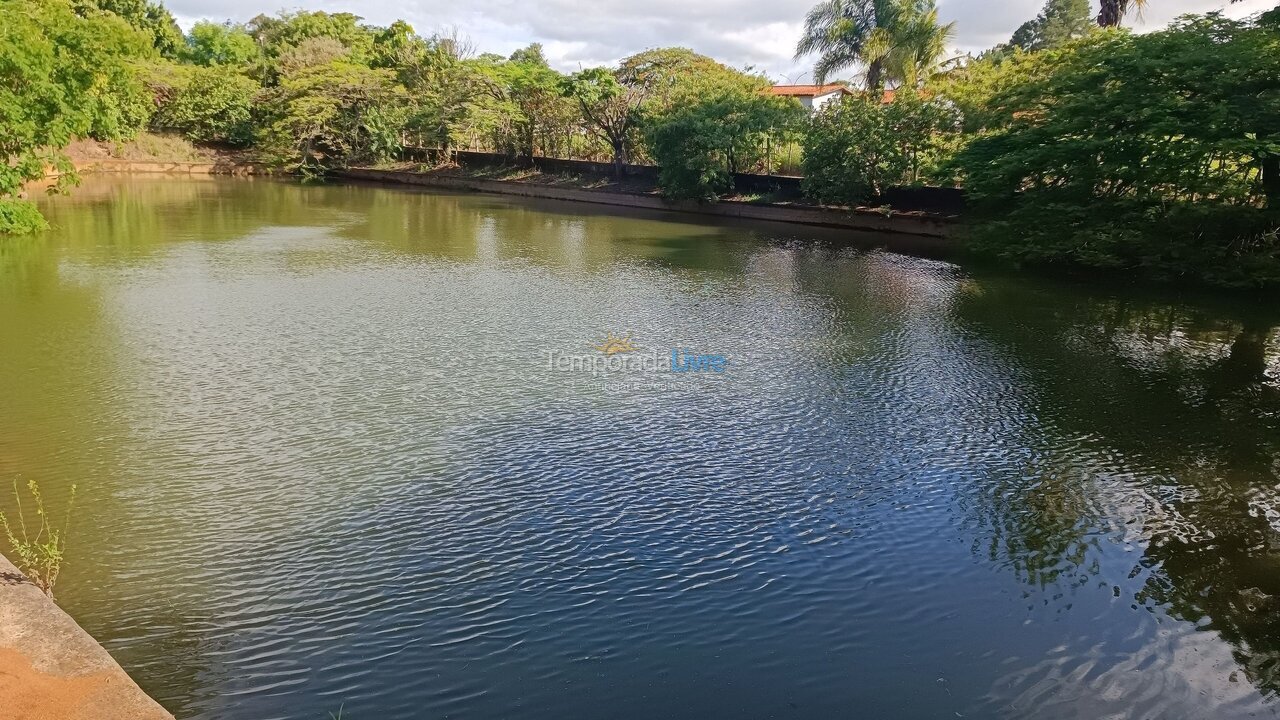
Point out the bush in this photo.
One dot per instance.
(857, 147)
(701, 145)
(687, 150)
(1218, 244)
(1158, 153)
(210, 104)
(332, 115)
(62, 75)
(18, 217)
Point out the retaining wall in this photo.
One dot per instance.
(865, 219)
(51, 669)
(940, 200)
(172, 168)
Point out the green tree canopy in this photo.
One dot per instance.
(211, 43)
(210, 105)
(677, 76)
(1060, 22)
(855, 148)
(150, 17)
(701, 145)
(283, 35)
(62, 74)
(610, 108)
(334, 114)
(1157, 151)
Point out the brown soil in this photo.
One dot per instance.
(32, 695)
(599, 183)
(150, 147)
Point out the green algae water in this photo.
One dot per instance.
(417, 455)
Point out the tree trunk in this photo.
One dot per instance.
(875, 76)
(1271, 181)
(1112, 11)
(618, 164)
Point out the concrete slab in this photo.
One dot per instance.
(51, 669)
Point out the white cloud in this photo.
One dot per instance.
(737, 32)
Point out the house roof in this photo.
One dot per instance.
(808, 90)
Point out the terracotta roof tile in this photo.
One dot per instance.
(808, 90)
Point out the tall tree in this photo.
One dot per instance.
(912, 48)
(62, 75)
(1057, 24)
(678, 76)
(1113, 11)
(610, 108)
(895, 40)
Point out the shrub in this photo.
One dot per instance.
(1158, 153)
(62, 75)
(857, 147)
(1204, 242)
(38, 546)
(701, 145)
(211, 104)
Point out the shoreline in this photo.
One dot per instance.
(51, 668)
(159, 167)
(931, 226)
(914, 223)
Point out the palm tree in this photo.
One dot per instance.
(1113, 11)
(916, 45)
(897, 40)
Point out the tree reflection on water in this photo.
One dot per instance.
(1189, 394)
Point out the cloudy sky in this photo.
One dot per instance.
(576, 33)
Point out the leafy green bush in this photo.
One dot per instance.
(1223, 245)
(334, 114)
(18, 217)
(211, 104)
(701, 145)
(856, 147)
(849, 153)
(1157, 152)
(212, 44)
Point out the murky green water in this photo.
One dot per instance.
(340, 448)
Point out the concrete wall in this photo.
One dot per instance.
(920, 224)
(50, 669)
(941, 200)
(172, 168)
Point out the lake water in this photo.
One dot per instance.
(342, 448)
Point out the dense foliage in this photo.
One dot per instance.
(896, 41)
(1059, 23)
(1157, 152)
(62, 75)
(701, 145)
(705, 122)
(209, 105)
(853, 150)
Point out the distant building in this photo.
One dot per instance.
(813, 97)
